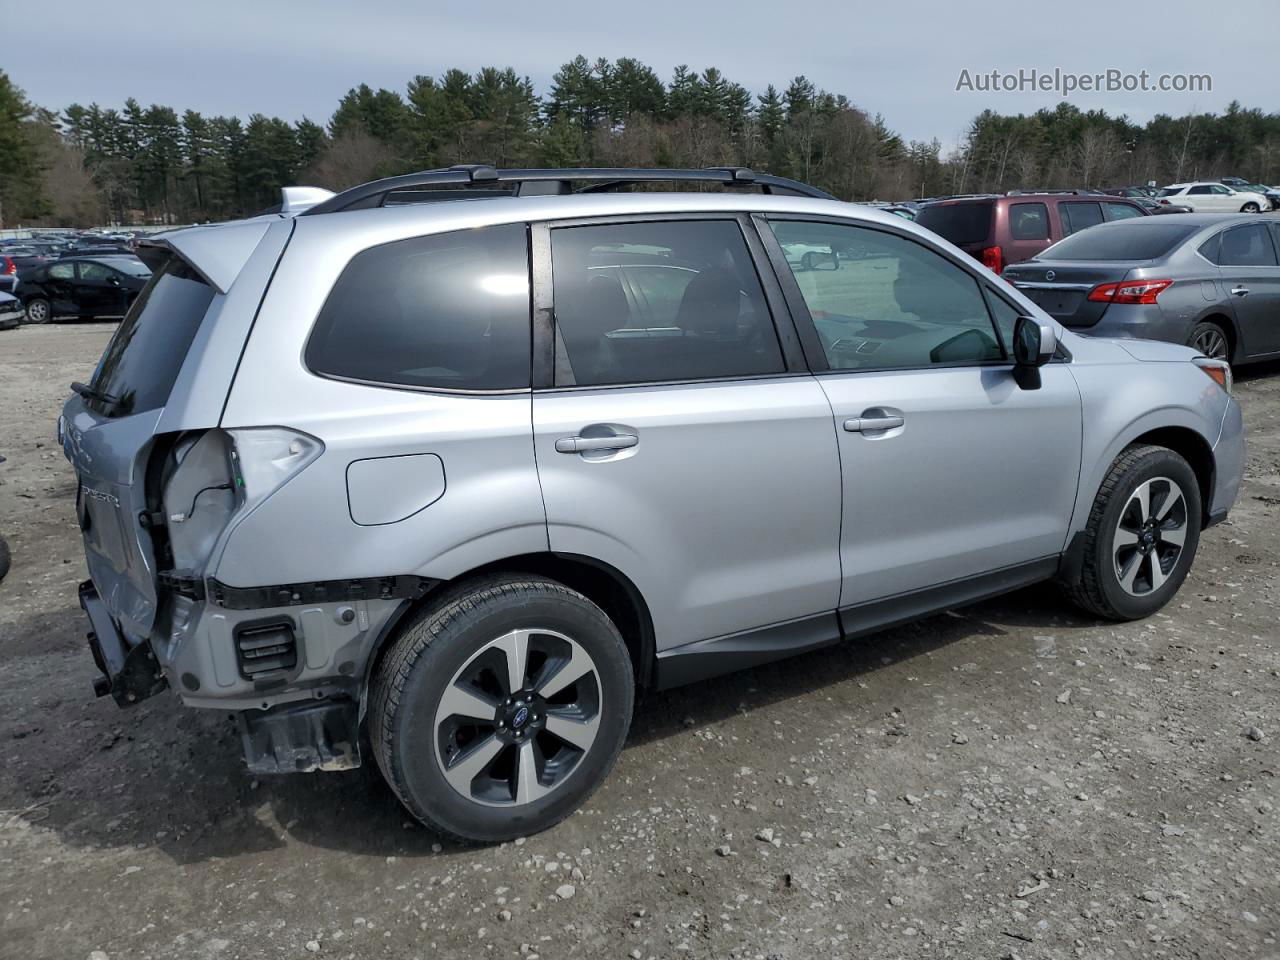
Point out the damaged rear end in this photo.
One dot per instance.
(161, 486)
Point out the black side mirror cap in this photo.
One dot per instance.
(1034, 344)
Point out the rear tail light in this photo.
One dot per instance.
(9, 266)
(1128, 291)
(992, 258)
(1219, 371)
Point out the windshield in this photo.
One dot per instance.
(142, 361)
(1144, 242)
(961, 223)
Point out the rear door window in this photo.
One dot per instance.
(63, 271)
(1077, 216)
(1247, 247)
(1029, 221)
(448, 311)
(961, 223)
(144, 357)
(647, 302)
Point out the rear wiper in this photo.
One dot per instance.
(92, 393)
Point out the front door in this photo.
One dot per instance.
(679, 439)
(952, 473)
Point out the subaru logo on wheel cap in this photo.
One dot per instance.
(521, 716)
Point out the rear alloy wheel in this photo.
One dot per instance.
(499, 710)
(1250, 207)
(1141, 536)
(38, 311)
(1211, 340)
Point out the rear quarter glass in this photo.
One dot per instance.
(964, 224)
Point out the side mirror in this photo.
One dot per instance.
(1034, 344)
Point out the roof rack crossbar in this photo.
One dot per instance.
(532, 182)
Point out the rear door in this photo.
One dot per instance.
(1247, 263)
(98, 290)
(60, 287)
(678, 436)
(949, 483)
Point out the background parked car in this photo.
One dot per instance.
(82, 287)
(10, 311)
(1156, 207)
(1209, 197)
(999, 230)
(1136, 193)
(1206, 280)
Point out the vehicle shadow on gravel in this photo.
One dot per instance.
(164, 777)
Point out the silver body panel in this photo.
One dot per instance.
(743, 503)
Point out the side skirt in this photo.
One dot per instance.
(751, 648)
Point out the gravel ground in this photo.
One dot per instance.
(1009, 780)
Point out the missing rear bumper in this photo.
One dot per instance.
(301, 738)
(129, 673)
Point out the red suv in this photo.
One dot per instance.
(998, 230)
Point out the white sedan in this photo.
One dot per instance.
(1210, 197)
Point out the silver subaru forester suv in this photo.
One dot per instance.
(447, 467)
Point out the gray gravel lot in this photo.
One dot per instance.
(1009, 780)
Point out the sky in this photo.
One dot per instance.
(901, 58)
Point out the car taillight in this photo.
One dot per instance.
(9, 266)
(1219, 371)
(992, 258)
(1128, 291)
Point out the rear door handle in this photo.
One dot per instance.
(871, 424)
(1239, 291)
(619, 441)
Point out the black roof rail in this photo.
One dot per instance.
(475, 180)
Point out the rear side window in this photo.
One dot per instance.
(1078, 216)
(1247, 247)
(448, 311)
(142, 360)
(1153, 237)
(645, 302)
(1171, 191)
(1029, 221)
(961, 223)
(62, 271)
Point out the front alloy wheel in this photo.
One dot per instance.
(1149, 538)
(516, 719)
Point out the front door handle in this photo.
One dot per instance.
(620, 441)
(871, 424)
(1239, 291)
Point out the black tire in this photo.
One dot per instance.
(408, 684)
(4, 558)
(1250, 207)
(38, 311)
(1211, 340)
(1097, 588)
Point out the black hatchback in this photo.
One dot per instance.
(81, 287)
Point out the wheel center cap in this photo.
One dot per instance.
(520, 718)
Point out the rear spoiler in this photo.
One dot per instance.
(217, 252)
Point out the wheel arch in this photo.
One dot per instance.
(1193, 448)
(600, 582)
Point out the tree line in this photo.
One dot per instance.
(153, 164)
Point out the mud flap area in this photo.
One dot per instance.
(301, 737)
(129, 673)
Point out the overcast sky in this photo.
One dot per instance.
(900, 58)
